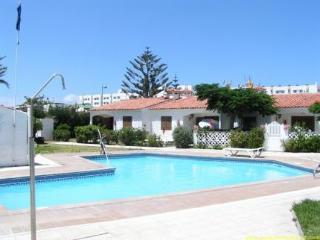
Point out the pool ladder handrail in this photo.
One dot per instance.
(316, 171)
(103, 148)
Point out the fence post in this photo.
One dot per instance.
(195, 138)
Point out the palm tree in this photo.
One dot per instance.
(3, 70)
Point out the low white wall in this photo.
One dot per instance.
(13, 140)
(47, 129)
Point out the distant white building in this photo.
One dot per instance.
(94, 100)
(292, 89)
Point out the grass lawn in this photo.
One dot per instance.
(60, 148)
(308, 214)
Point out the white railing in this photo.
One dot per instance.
(212, 138)
(294, 135)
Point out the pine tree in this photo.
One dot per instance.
(3, 70)
(175, 82)
(147, 77)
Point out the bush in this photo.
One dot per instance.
(154, 141)
(62, 133)
(87, 134)
(238, 139)
(110, 136)
(252, 139)
(132, 137)
(69, 115)
(255, 138)
(303, 143)
(141, 136)
(204, 146)
(183, 137)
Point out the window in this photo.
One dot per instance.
(127, 121)
(166, 123)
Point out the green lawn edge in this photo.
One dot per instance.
(308, 214)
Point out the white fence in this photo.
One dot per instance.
(294, 135)
(212, 138)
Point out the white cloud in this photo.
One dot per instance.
(70, 99)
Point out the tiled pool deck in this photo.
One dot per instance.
(18, 221)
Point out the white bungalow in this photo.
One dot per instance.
(162, 115)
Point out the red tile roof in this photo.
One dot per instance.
(182, 103)
(131, 104)
(296, 100)
(283, 101)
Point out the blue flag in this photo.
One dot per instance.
(19, 17)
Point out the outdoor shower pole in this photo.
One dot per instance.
(33, 222)
(33, 227)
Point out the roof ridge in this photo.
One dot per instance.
(153, 105)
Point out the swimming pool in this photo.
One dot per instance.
(140, 175)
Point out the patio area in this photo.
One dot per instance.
(256, 218)
(167, 214)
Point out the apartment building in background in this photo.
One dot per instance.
(292, 89)
(94, 100)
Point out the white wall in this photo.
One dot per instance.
(118, 117)
(179, 117)
(47, 129)
(13, 140)
(150, 120)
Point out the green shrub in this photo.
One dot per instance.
(238, 139)
(154, 141)
(252, 139)
(132, 137)
(255, 138)
(183, 137)
(303, 143)
(87, 134)
(204, 146)
(141, 136)
(62, 133)
(201, 146)
(110, 136)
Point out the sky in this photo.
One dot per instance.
(205, 41)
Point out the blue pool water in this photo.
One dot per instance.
(145, 175)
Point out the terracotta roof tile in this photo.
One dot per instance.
(296, 100)
(131, 104)
(283, 101)
(182, 103)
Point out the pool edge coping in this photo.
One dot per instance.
(137, 198)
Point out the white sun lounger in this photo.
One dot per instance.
(252, 152)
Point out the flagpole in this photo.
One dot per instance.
(15, 78)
